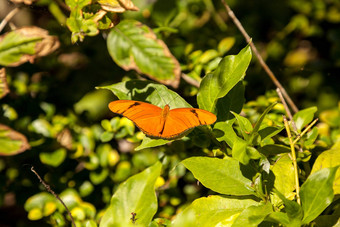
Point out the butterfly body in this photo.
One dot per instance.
(163, 123)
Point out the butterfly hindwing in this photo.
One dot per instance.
(161, 123)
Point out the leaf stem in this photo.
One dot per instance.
(8, 17)
(259, 57)
(292, 148)
(305, 131)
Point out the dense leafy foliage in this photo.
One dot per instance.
(250, 168)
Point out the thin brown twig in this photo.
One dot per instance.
(259, 57)
(190, 80)
(48, 188)
(8, 17)
(289, 114)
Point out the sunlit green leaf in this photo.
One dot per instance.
(253, 215)
(283, 171)
(212, 211)
(239, 151)
(245, 125)
(217, 84)
(304, 117)
(147, 91)
(54, 158)
(210, 171)
(317, 193)
(224, 131)
(329, 158)
(136, 195)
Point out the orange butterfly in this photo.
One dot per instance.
(164, 123)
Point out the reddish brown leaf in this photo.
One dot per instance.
(117, 6)
(12, 142)
(44, 43)
(4, 90)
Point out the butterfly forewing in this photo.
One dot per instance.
(167, 125)
(147, 117)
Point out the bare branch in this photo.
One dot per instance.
(8, 18)
(48, 188)
(190, 80)
(259, 57)
(289, 114)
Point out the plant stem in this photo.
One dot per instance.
(305, 131)
(8, 17)
(190, 80)
(289, 114)
(292, 148)
(259, 57)
(48, 188)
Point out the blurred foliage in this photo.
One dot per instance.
(85, 153)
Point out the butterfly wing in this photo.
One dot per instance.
(182, 119)
(147, 117)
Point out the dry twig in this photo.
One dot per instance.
(48, 188)
(8, 18)
(259, 57)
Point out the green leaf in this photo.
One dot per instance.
(98, 177)
(317, 193)
(54, 158)
(148, 143)
(77, 23)
(260, 120)
(133, 45)
(279, 217)
(331, 117)
(274, 149)
(77, 3)
(217, 84)
(12, 142)
(239, 151)
(106, 136)
(212, 211)
(137, 194)
(147, 91)
(245, 125)
(90, 105)
(269, 132)
(293, 209)
(312, 135)
(233, 101)
(226, 44)
(283, 171)
(329, 158)
(224, 131)
(304, 117)
(220, 175)
(329, 220)
(253, 215)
